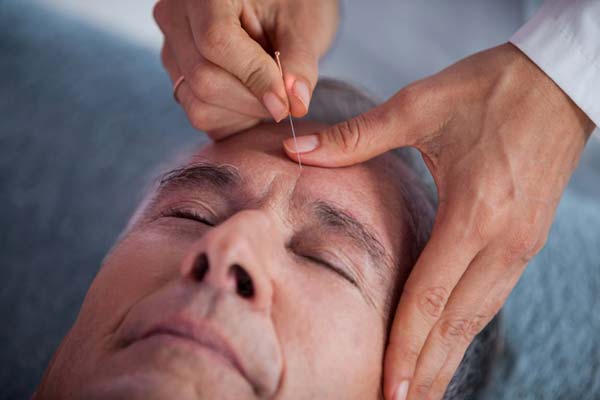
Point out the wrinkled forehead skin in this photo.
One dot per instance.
(370, 190)
(330, 340)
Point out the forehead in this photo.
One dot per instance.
(370, 192)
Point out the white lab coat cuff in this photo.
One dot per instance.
(565, 44)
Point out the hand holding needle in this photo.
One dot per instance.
(289, 115)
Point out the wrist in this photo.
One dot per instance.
(530, 76)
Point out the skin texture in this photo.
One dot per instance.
(225, 51)
(305, 331)
(501, 141)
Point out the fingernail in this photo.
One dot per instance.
(275, 106)
(301, 92)
(305, 144)
(401, 391)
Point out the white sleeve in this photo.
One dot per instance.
(563, 39)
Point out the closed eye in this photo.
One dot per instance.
(187, 214)
(337, 270)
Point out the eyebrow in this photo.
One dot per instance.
(335, 217)
(222, 177)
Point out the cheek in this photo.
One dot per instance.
(138, 266)
(331, 339)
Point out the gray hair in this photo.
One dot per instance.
(335, 101)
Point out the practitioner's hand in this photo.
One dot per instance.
(224, 50)
(501, 141)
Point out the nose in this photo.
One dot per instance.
(235, 257)
(238, 279)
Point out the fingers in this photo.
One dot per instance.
(407, 119)
(436, 273)
(219, 46)
(474, 301)
(460, 281)
(221, 39)
(210, 83)
(490, 307)
(216, 121)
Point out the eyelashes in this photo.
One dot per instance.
(187, 214)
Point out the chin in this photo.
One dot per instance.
(139, 386)
(149, 373)
(159, 386)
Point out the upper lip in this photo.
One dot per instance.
(201, 333)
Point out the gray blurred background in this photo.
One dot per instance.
(86, 117)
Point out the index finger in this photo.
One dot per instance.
(221, 39)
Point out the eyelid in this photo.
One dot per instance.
(186, 213)
(332, 267)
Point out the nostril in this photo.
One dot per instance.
(244, 285)
(200, 267)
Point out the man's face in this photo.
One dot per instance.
(244, 277)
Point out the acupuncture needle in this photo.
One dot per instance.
(289, 114)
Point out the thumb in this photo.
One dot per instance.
(395, 123)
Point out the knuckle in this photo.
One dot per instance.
(424, 106)
(480, 232)
(432, 301)
(454, 328)
(350, 135)
(199, 117)
(524, 243)
(411, 97)
(410, 355)
(214, 38)
(204, 83)
(256, 75)
(539, 245)
(484, 218)
(478, 322)
(422, 388)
